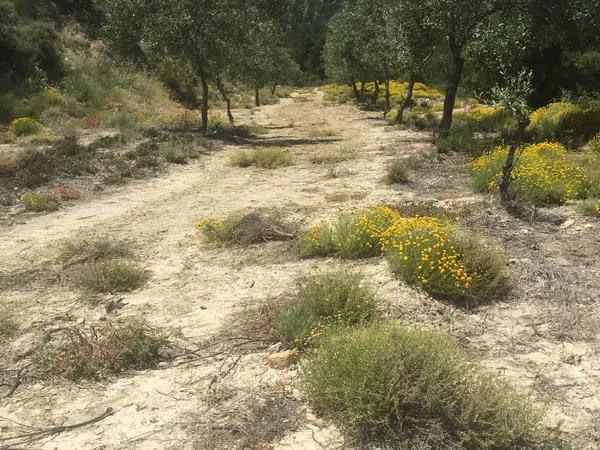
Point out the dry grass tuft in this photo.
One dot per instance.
(77, 251)
(248, 228)
(110, 276)
(100, 351)
(263, 157)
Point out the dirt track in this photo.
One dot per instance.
(196, 290)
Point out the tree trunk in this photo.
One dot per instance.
(407, 99)
(376, 92)
(506, 180)
(274, 89)
(204, 104)
(223, 92)
(354, 88)
(362, 90)
(256, 96)
(388, 104)
(455, 75)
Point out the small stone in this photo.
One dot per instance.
(567, 223)
(282, 360)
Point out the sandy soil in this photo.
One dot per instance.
(543, 338)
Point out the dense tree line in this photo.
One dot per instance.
(468, 42)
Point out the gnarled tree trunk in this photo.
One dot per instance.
(456, 69)
(407, 99)
(256, 96)
(354, 88)
(376, 92)
(226, 98)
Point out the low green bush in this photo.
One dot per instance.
(339, 298)
(590, 207)
(463, 139)
(110, 276)
(389, 382)
(568, 123)
(397, 173)
(40, 201)
(486, 119)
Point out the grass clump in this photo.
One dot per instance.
(397, 173)
(247, 228)
(110, 276)
(350, 236)
(543, 174)
(392, 382)
(332, 157)
(76, 251)
(8, 327)
(263, 157)
(24, 126)
(40, 201)
(100, 351)
(339, 298)
(590, 207)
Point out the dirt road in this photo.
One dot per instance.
(196, 290)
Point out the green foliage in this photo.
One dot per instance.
(263, 157)
(110, 276)
(590, 207)
(29, 45)
(40, 201)
(391, 381)
(463, 139)
(100, 351)
(254, 227)
(486, 119)
(566, 122)
(336, 298)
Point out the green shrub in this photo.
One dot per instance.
(397, 173)
(40, 201)
(339, 298)
(420, 119)
(463, 139)
(593, 145)
(590, 207)
(252, 227)
(99, 351)
(176, 154)
(263, 157)
(390, 382)
(110, 276)
(25, 126)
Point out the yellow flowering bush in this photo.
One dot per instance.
(543, 174)
(424, 251)
(25, 125)
(40, 202)
(565, 122)
(351, 236)
(485, 118)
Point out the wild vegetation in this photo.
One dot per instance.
(382, 193)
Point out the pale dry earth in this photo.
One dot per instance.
(543, 337)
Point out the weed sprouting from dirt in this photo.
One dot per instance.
(100, 351)
(246, 228)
